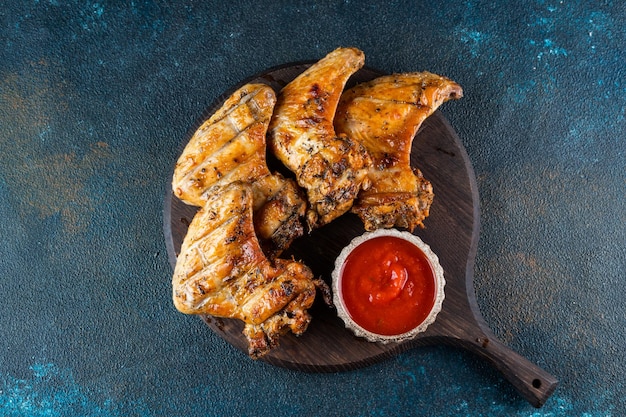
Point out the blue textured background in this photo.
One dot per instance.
(95, 98)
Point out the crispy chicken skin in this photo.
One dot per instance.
(331, 168)
(222, 271)
(384, 115)
(231, 146)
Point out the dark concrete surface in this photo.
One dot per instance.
(95, 98)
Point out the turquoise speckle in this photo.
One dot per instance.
(548, 47)
(553, 49)
(53, 392)
(98, 9)
(474, 39)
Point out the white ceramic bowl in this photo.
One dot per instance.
(338, 299)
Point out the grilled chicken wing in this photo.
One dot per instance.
(384, 115)
(222, 271)
(230, 146)
(331, 168)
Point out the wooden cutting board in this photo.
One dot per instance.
(452, 232)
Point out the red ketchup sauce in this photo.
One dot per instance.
(388, 285)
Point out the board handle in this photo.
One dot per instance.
(535, 384)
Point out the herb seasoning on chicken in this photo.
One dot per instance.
(222, 271)
(384, 115)
(230, 146)
(331, 168)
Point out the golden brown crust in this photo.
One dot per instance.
(228, 264)
(222, 271)
(231, 146)
(384, 115)
(329, 167)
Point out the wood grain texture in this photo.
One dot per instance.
(452, 231)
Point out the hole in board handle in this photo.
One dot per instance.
(537, 383)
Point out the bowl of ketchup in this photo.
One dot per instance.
(388, 286)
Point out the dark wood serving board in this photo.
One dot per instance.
(451, 230)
